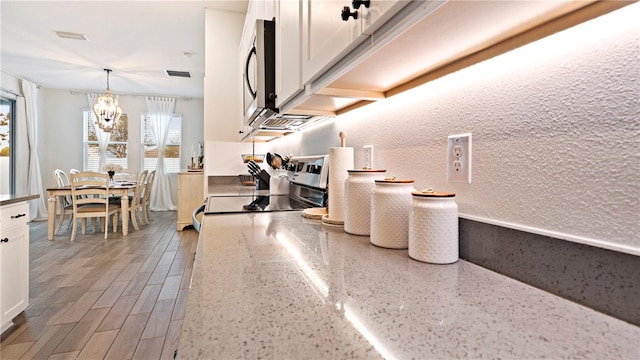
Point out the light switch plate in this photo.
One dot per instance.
(459, 158)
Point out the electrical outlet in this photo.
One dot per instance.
(368, 156)
(459, 158)
(457, 166)
(457, 151)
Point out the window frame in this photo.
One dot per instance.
(88, 119)
(11, 100)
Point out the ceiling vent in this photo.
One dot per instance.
(71, 35)
(178, 73)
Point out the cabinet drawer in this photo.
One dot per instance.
(14, 215)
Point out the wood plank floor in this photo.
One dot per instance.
(120, 298)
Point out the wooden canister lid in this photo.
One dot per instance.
(433, 193)
(366, 170)
(393, 180)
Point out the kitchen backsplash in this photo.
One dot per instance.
(604, 280)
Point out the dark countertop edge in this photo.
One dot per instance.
(14, 198)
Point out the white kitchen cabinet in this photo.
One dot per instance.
(190, 196)
(288, 50)
(255, 10)
(378, 13)
(270, 9)
(261, 9)
(326, 37)
(14, 262)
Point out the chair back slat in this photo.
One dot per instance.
(90, 188)
(149, 186)
(138, 193)
(61, 179)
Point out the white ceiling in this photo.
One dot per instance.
(138, 40)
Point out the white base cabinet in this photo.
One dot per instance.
(14, 262)
(190, 196)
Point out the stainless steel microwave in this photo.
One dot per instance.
(259, 77)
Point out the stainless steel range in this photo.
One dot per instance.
(307, 176)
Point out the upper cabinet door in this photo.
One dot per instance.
(325, 36)
(270, 10)
(288, 50)
(378, 13)
(255, 10)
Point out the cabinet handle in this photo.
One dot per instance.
(346, 12)
(5, 240)
(18, 216)
(356, 3)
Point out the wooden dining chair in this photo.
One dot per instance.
(146, 197)
(135, 207)
(94, 221)
(64, 202)
(90, 197)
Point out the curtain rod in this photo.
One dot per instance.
(18, 77)
(74, 92)
(11, 92)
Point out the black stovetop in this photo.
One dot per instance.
(251, 203)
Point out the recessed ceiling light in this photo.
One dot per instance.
(70, 35)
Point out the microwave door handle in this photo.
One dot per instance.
(246, 72)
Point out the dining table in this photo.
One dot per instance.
(118, 189)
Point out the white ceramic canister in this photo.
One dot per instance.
(390, 210)
(433, 227)
(358, 189)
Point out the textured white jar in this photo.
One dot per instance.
(390, 210)
(433, 227)
(358, 189)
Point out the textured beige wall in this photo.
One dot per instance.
(555, 136)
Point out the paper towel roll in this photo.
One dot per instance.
(340, 160)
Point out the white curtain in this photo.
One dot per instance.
(160, 111)
(103, 136)
(37, 208)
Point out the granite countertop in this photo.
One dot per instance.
(276, 285)
(16, 198)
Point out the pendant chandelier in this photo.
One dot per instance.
(106, 109)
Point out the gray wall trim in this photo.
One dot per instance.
(604, 280)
